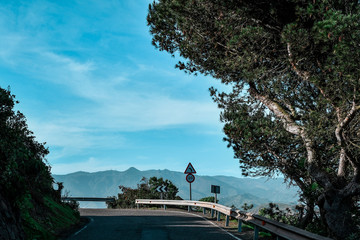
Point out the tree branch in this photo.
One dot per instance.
(338, 133)
(302, 74)
(292, 127)
(289, 123)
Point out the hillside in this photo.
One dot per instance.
(30, 208)
(234, 191)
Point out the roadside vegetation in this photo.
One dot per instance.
(209, 199)
(291, 104)
(146, 189)
(26, 186)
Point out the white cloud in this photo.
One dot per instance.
(66, 63)
(118, 106)
(111, 106)
(90, 92)
(66, 140)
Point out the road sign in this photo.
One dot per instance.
(161, 189)
(190, 178)
(190, 169)
(215, 189)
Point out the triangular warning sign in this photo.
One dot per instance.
(190, 169)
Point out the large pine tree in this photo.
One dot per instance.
(295, 74)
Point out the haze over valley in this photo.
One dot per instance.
(234, 191)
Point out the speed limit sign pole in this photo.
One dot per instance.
(190, 191)
(190, 177)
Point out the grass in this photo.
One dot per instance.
(62, 216)
(47, 220)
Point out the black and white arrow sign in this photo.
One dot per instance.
(161, 189)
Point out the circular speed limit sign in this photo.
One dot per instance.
(190, 178)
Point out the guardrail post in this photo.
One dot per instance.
(281, 231)
(218, 216)
(239, 225)
(227, 221)
(256, 233)
(204, 211)
(164, 207)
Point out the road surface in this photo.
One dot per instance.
(147, 224)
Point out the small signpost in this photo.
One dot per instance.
(190, 177)
(161, 189)
(215, 189)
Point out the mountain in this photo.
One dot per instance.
(233, 191)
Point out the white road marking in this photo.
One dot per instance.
(167, 211)
(232, 235)
(91, 220)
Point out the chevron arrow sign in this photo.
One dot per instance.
(161, 189)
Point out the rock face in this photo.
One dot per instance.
(10, 227)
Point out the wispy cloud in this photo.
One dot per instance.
(114, 105)
(92, 78)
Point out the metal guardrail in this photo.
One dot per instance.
(279, 229)
(217, 207)
(88, 199)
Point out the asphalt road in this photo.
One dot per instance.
(148, 224)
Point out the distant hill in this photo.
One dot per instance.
(234, 191)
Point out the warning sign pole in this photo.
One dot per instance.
(190, 191)
(190, 177)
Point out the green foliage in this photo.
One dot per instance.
(353, 236)
(145, 190)
(48, 220)
(247, 207)
(62, 215)
(209, 199)
(32, 228)
(25, 178)
(171, 192)
(265, 234)
(247, 226)
(284, 216)
(294, 72)
(22, 158)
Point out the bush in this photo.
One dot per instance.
(209, 199)
(25, 178)
(146, 189)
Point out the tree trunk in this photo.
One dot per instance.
(304, 221)
(337, 213)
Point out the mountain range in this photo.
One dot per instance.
(233, 191)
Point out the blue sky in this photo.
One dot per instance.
(94, 88)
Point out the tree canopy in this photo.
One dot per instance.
(295, 77)
(146, 189)
(26, 184)
(23, 165)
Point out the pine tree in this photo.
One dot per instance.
(295, 77)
